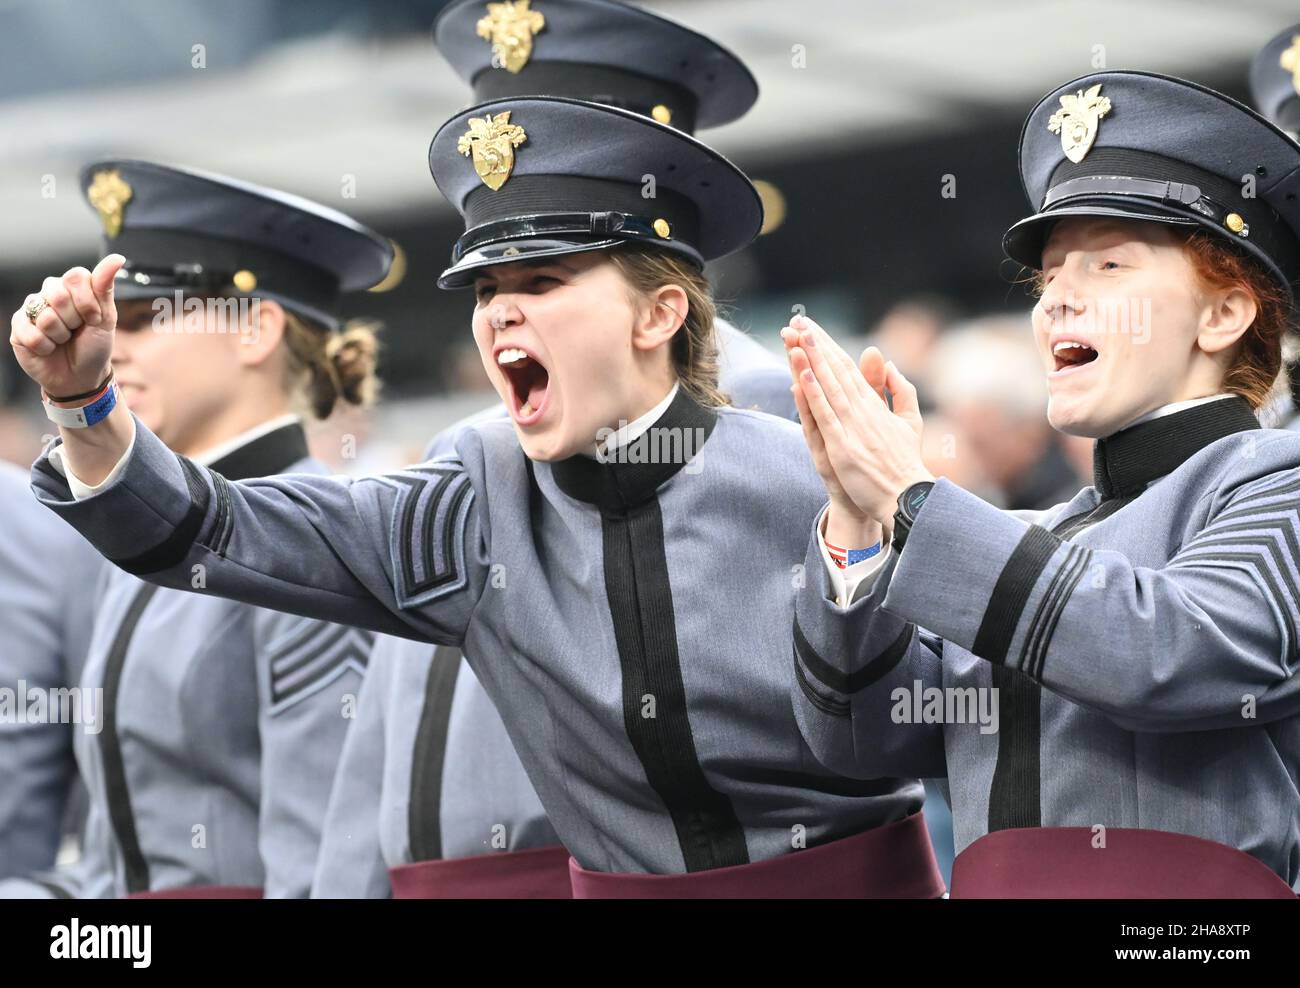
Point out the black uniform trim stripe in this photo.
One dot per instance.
(1036, 622)
(225, 520)
(1049, 610)
(1072, 581)
(1015, 798)
(120, 813)
(826, 704)
(424, 810)
(272, 453)
(877, 668)
(172, 550)
(1011, 592)
(641, 606)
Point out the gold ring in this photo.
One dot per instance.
(34, 309)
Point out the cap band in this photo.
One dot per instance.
(596, 226)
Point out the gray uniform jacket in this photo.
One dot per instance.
(49, 574)
(608, 609)
(1142, 640)
(428, 770)
(223, 723)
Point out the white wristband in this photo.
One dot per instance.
(84, 416)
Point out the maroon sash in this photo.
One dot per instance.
(538, 873)
(895, 861)
(1061, 863)
(202, 892)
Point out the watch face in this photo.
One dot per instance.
(914, 498)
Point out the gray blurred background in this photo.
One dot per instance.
(865, 107)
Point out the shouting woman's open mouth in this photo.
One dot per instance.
(1071, 355)
(529, 383)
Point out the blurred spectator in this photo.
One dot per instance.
(908, 334)
(465, 369)
(988, 378)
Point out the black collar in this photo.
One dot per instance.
(642, 466)
(1123, 464)
(266, 455)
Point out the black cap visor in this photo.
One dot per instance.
(533, 249)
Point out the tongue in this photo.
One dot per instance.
(537, 389)
(1078, 356)
(530, 383)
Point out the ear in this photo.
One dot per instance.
(663, 314)
(1228, 314)
(261, 328)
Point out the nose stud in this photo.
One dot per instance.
(497, 317)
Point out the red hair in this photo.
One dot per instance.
(1221, 267)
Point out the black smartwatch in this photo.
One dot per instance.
(909, 504)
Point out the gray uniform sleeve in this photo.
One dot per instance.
(847, 663)
(404, 553)
(309, 674)
(351, 862)
(1209, 640)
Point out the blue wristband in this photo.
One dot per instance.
(860, 555)
(98, 411)
(84, 416)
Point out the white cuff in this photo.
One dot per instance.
(853, 581)
(82, 491)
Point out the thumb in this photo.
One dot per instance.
(101, 279)
(906, 405)
(872, 365)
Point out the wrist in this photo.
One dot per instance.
(76, 397)
(850, 529)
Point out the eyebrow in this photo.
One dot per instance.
(536, 268)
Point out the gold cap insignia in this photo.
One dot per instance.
(1290, 61)
(396, 271)
(109, 194)
(1077, 121)
(662, 227)
(510, 27)
(492, 142)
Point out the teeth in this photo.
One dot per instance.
(1068, 344)
(511, 355)
(526, 410)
